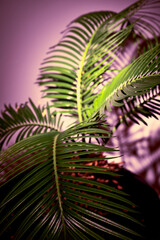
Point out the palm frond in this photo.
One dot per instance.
(64, 80)
(148, 23)
(85, 56)
(140, 107)
(134, 80)
(52, 186)
(26, 120)
(74, 70)
(53, 191)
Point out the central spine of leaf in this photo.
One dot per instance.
(79, 100)
(79, 80)
(57, 182)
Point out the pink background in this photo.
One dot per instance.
(27, 29)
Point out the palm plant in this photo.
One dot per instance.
(54, 181)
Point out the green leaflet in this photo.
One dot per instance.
(89, 35)
(141, 107)
(26, 120)
(45, 187)
(51, 185)
(127, 81)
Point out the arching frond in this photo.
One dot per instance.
(54, 185)
(53, 190)
(134, 80)
(26, 120)
(90, 51)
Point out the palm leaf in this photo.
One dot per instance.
(52, 190)
(67, 78)
(24, 121)
(50, 187)
(87, 53)
(139, 108)
(134, 80)
(74, 70)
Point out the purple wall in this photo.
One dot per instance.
(27, 29)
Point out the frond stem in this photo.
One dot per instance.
(79, 78)
(57, 182)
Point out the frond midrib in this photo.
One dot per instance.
(80, 73)
(57, 181)
(79, 78)
(129, 82)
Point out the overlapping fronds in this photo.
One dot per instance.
(141, 107)
(53, 190)
(89, 51)
(63, 76)
(148, 17)
(134, 80)
(26, 120)
(52, 186)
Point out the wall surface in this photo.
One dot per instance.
(27, 29)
